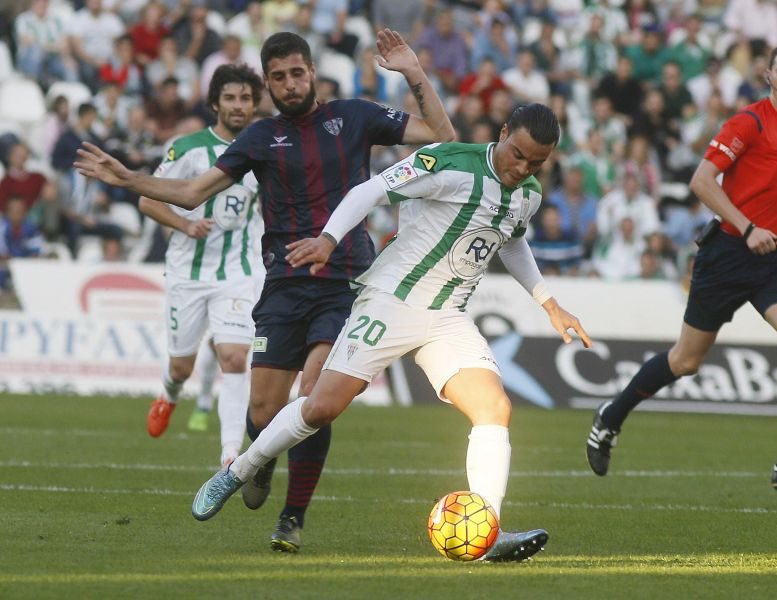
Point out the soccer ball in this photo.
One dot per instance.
(463, 526)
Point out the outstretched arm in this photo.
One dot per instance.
(433, 125)
(186, 193)
(164, 215)
(349, 213)
(519, 262)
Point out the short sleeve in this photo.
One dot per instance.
(239, 158)
(385, 126)
(176, 165)
(733, 139)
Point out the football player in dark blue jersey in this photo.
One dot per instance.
(306, 159)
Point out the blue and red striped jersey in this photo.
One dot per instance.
(305, 166)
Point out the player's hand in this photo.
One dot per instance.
(310, 251)
(562, 321)
(93, 162)
(395, 54)
(199, 229)
(761, 241)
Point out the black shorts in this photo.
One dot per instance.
(294, 314)
(726, 275)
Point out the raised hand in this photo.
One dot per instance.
(395, 54)
(93, 162)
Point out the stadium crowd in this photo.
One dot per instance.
(639, 86)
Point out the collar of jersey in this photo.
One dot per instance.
(218, 137)
(489, 162)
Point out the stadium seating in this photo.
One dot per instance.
(338, 67)
(76, 93)
(21, 101)
(6, 64)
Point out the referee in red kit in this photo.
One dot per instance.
(736, 262)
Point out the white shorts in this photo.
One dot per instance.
(223, 307)
(382, 328)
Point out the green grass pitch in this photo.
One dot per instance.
(94, 508)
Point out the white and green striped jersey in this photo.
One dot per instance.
(232, 248)
(454, 214)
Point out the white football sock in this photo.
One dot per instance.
(171, 388)
(207, 367)
(287, 429)
(488, 463)
(233, 405)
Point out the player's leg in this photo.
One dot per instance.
(233, 398)
(232, 328)
(186, 310)
(766, 303)
(207, 368)
(306, 462)
(460, 366)
(331, 396)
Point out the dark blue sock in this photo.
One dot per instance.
(652, 376)
(252, 430)
(306, 461)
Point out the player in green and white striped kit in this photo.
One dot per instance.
(213, 265)
(460, 204)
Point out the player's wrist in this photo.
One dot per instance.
(330, 238)
(748, 230)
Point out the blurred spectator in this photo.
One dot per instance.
(121, 68)
(301, 24)
(113, 108)
(91, 32)
(41, 45)
(398, 15)
(250, 27)
(556, 250)
(55, 123)
(755, 20)
(649, 55)
(183, 69)
(700, 126)
(326, 90)
(469, 113)
(676, 95)
(19, 237)
(754, 87)
(87, 212)
(231, 53)
(328, 20)
(684, 221)
(368, 82)
(426, 61)
(692, 53)
(717, 76)
(641, 159)
(137, 146)
(166, 109)
(615, 27)
(661, 264)
(193, 38)
(640, 15)
(18, 181)
(448, 49)
(279, 14)
(576, 209)
(593, 56)
(627, 200)
(493, 41)
(526, 82)
(606, 122)
(502, 106)
(548, 59)
(147, 34)
(622, 89)
(66, 146)
(652, 123)
(482, 83)
(618, 256)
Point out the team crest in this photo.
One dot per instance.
(334, 126)
(351, 349)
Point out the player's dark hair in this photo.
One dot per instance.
(538, 120)
(283, 44)
(237, 73)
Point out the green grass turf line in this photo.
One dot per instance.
(93, 507)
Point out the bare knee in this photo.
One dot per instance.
(263, 407)
(682, 365)
(317, 413)
(180, 370)
(496, 410)
(233, 361)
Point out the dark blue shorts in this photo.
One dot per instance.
(726, 275)
(294, 314)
